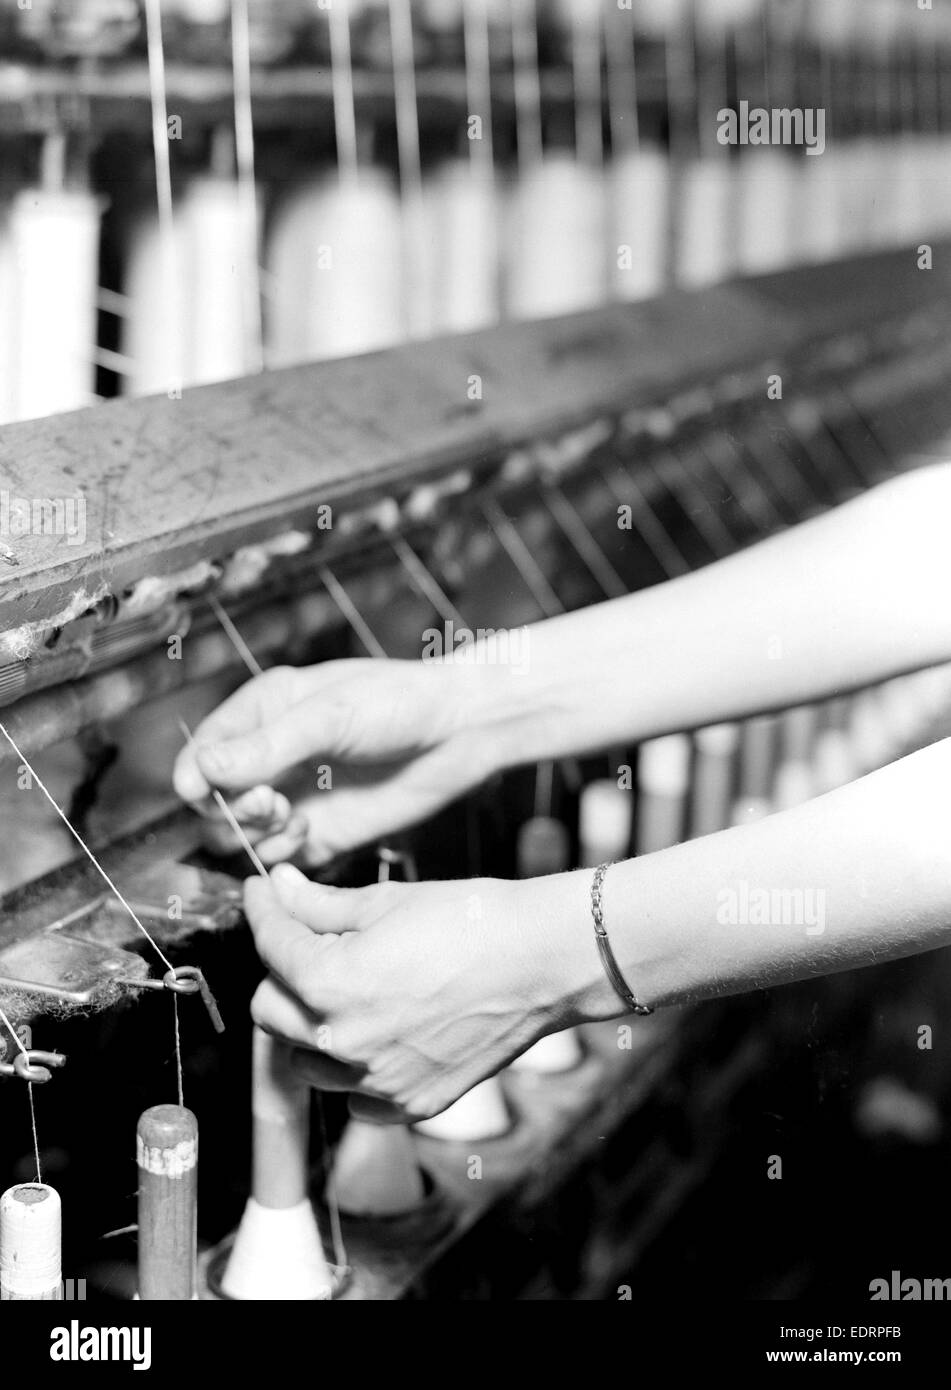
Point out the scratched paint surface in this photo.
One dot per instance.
(166, 480)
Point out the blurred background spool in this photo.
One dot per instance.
(868, 732)
(638, 175)
(757, 760)
(604, 823)
(833, 756)
(334, 270)
(794, 782)
(376, 1171)
(663, 783)
(54, 245)
(463, 205)
(557, 219)
(480, 1114)
(711, 796)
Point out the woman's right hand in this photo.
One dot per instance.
(388, 743)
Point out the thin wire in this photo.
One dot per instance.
(408, 150)
(479, 80)
(330, 1184)
(227, 812)
(247, 188)
(407, 120)
(350, 611)
(425, 581)
(622, 82)
(241, 646)
(179, 1075)
(586, 79)
(341, 81)
(527, 78)
(163, 174)
(36, 1143)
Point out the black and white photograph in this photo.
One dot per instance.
(475, 673)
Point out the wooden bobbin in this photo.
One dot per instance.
(166, 1143)
(277, 1252)
(31, 1244)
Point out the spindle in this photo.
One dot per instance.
(166, 1145)
(277, 1252)
(31, 1244)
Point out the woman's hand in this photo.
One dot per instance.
(384, 745)
(408, 994)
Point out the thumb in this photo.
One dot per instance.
(318, 906)
(263, 755)
(266, 753)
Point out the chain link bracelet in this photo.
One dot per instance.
(611, 968)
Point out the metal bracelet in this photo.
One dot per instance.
(611, 968)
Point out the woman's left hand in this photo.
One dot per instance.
(409, 994)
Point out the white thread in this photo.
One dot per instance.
(341, 78)
(247, 189)
(167, 1163)
(479, 79)
(85, 848)
(528, 97)
(36, 1142)
(227, 812)
(163, 179)
(350, 611)
(240, 645)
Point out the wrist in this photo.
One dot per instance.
(571, 987)
(518, 710)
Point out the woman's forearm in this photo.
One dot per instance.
(856, 877)
(850, 598)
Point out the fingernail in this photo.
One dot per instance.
(217, 756)
(286, 875)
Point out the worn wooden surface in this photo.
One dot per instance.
(168, 480)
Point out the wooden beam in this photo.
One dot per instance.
(166, 481)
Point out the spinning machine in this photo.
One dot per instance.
(423, 317)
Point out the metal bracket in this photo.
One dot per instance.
(65, 968)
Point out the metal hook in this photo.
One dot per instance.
(33, 1065)
(184, 980)
(189, 979)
